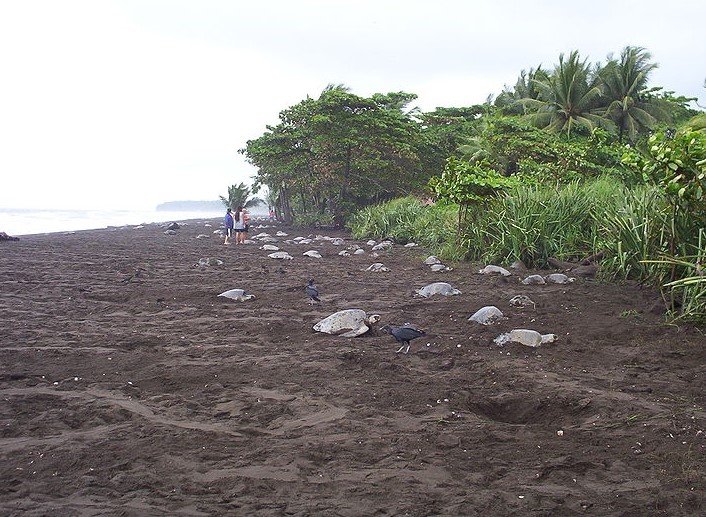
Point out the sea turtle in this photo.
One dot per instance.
(344, 253)
(383, 246)
(238, 295)
(282, 255)
(377, 267)
(494, 270)
(534, 280)
(525, 337)
(261, 235)
(431, 260)
(170, 232)
(6, 237)
(202, 236)
(359, 251)
(487, 315)
(521, 301)
(347, 323)
(298, 239)
(371, 242)
(558, 278)
(518, 265)
(210, 261)
(281, 234)
(269, 247)
(338, 241)
(305, 241)
(312, 254)
(437, 288)
(440, 267)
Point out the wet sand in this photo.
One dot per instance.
(129, 388)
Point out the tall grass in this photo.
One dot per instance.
(409, 220)
(635, 230)
(635, 227)
(533, 223)
(689, 290)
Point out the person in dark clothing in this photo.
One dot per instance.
(229, 223)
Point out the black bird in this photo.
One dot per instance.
(312, 292)
(403, 334)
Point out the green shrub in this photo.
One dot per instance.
(408, 219)
(309, 219)
(636, 229)
(535, 222)
(642, 236)
(688, 292)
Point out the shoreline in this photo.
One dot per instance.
(41, 222)
(111, 228)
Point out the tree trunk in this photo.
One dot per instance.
(287, 213)
(338, 215)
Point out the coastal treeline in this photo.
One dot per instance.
(571, 160)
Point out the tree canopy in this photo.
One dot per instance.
(338, 152)
(331, 155)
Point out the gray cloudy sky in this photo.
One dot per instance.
(129, 103)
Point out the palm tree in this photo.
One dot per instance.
(624, 83)
(568, 97)
(511, 100)
(239, 195)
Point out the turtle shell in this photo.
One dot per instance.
(438, 288)
(345, 323)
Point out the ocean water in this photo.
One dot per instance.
(18, 222)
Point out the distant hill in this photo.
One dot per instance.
(191, 206)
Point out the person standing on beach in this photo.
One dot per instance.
(229, 223)
(239, 225)
(246, 226)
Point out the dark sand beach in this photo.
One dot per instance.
(129, 388)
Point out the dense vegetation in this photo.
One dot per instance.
(569, 161)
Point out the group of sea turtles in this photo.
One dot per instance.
(348, 322)
(354, 322)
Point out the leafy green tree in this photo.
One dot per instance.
(467, 184)
(444, 131)
(677, 162)
(568, 99)
(340, 151)
(512, 147)
(676, 109)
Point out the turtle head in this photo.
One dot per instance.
(373, 318)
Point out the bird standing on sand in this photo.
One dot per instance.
(312, 292)
(403, 334)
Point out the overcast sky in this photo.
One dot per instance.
(129, 103)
